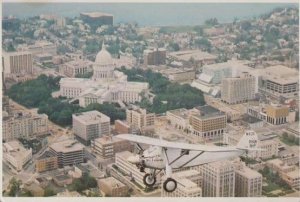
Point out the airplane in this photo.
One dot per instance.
(167, 156)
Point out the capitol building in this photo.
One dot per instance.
(106, 85)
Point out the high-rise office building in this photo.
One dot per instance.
(90, 125)
(218, 179)
(238, 89)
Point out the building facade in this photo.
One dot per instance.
(68, 152)
(277, 114)
(108, 146)
(112, 187)
(208, 123)
(22, 125)
(248, 182)
(16, 155)
(218, 179)
(17, 63)
(90, 125)
(140, 119)
(47, 161)
(238, 90)
(155, 56)
(76, 67)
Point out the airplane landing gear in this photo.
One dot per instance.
(149, 180)
(170, 185)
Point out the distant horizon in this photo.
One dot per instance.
(154, 14)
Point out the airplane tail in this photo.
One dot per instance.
(249, 141)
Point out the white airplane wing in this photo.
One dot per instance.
(175, 145)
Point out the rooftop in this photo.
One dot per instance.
(281, 74)
(196, 54)
(69, 145)
(91, 117)
(16, 150)
(112, 182)
(183, 113)
(250, 119)
(208, 111)
(249, 173)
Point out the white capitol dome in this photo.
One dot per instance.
(103, 58)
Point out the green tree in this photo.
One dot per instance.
(14, 187)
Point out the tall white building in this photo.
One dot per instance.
(17, 63)
(24, 125)
(218, 179)
(16, 155)
(238, 89)
(90, 125)
(107, 85)
(248, 182)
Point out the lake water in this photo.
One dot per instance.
(149, 14)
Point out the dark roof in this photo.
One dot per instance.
(250, 119)
(208, 111)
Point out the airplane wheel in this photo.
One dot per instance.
(170, 185)
(149, 180)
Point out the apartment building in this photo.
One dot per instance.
(239, 89)
(24, 125)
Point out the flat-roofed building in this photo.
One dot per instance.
(47, 161)
(179, 75)
(179, 118)
(155, 56)
(239, 89)
(218, 179)
(108, 146)
(279, 81)
(189, 184)
(112, 187)
(68, 152)
(39, 47)
(16, 155)
(208, 122)
(90, 125)
(17, 63)
(248, 182)
(24, 125)
(76, 67)
(198, 56)
(140, 119)
(277, 114)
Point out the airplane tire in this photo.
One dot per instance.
(170, 185)
(148, 181)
